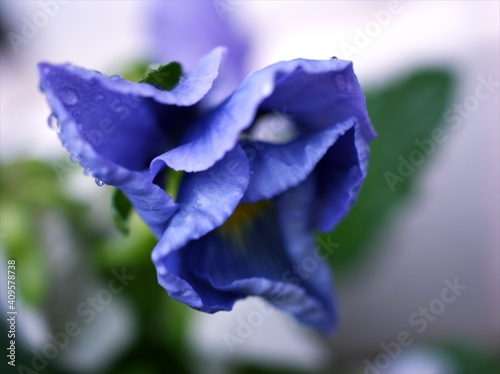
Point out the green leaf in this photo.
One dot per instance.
(404, 114)
(173, 179)
(120, 211)
(165, 77)
(30, 193)
(471, 359)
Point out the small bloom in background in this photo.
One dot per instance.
(184, 31)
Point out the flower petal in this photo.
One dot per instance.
(317, 93)
(123, 128)
(339, 177)
(230, 263)
(191, 88)
(112, 135)
(206, 199)
(295, 212)
(277, 167)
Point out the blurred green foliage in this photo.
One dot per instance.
(406, 110)
(29, 194)
(469, 359)
(121, 208)
(164, 77)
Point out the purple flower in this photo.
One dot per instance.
(284, 155)
(210, 25)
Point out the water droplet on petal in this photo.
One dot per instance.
(98, 97)
(68, 97)
(115, 77)
(99, 182)
(334, 58)
(54, 122)
(73, 158)
(86, 171)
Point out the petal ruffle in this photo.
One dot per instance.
(317, 93)
(114, 128)
(191, 88)
(112, 135)
(340, 175)
(295, 213)
(206, 199)
(261, 258)
(123, 128)
(276, 167)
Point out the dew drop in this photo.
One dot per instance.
(73, 158)
(86, 171)
(334, 58)
(69, 97)
(53, 122)
(115, 77)
(100, 183)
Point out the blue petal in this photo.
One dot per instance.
(339, 177)
(112, 135)
(295, 212)
(184, 31)
(191, 88)
(277, 167)
(262, 257)
(319, 94)
(206, 199)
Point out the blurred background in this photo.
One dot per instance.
(416, 262)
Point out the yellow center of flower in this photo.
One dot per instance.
(243, 216)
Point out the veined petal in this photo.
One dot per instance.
(277, 167)
(339, 177)
(256, 255)
(206, 199)
(317, 93)
(112, 135)
(191, 88)
(295, 213)
(124, 128)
